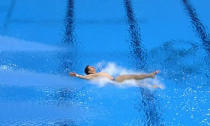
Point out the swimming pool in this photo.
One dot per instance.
(41, 41)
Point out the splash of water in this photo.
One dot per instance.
(115, 70)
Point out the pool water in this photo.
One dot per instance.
(41, 41)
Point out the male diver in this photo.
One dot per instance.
(92, 74)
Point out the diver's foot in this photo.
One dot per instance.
(155, 73)
(155, 86)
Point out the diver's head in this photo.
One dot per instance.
(90, 70)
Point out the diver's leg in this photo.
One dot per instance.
(122, 78)
(136, 77)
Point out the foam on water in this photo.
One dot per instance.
(115, 70)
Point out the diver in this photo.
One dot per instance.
(92, 74)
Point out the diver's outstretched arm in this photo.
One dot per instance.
(73, 74)
(88, 77)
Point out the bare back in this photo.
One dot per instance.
(100, 74)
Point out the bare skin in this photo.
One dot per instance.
(92, 74)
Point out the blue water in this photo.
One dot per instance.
(41, 41)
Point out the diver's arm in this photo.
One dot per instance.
(81, 76)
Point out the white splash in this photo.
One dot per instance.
(114, 70)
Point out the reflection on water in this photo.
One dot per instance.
(67, 60)
(60, 96)
(36, 97)
(136, 45)
(69, 22)
(55, 96)
(200, 29)
(110, 21)
(37, 62)
(152, 117)
(180, 60)
(9, 14)
(40, 103)
(66, 122)
(151, 109)
(63, 96)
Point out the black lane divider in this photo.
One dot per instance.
(69, 21)
(148, 99)
(67, 59)
(9, 15)
(200, 29)
(137, 51)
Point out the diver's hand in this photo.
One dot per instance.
(73, 74)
